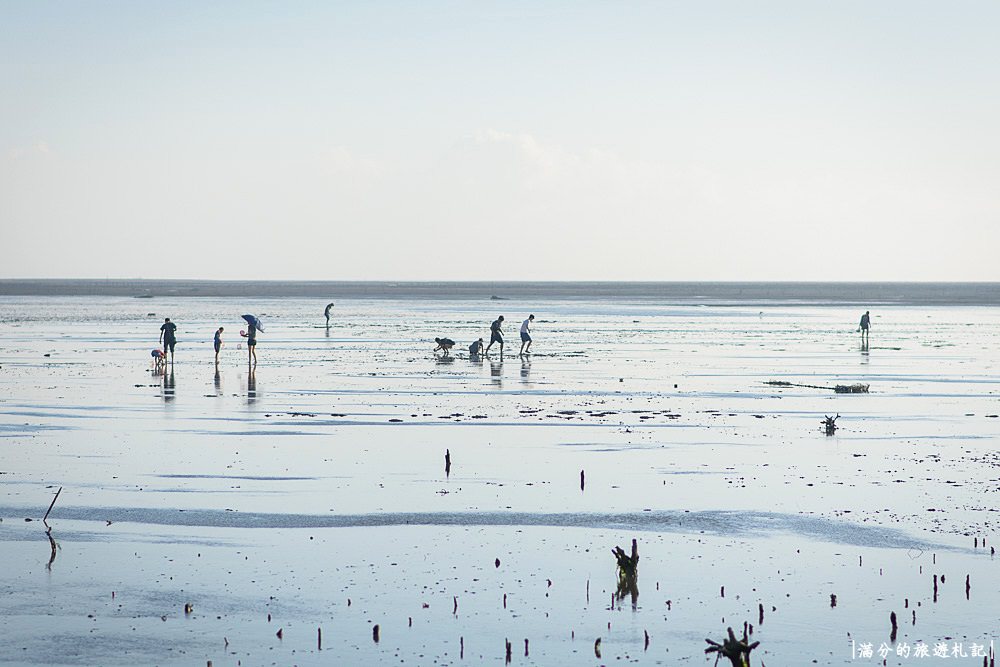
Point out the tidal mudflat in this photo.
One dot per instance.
(280, 516)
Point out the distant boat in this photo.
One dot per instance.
(497, 298)
(143, 296)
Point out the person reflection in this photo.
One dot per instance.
(218, 381)
(496, 370)
(525, 368)
(252, 385)
(168, 385)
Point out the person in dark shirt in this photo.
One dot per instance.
(218, 344)
(866, 323)
(326, 312)
(496, 336)
(251, 344)
(444, 344)
(168, 338)
(475, 349)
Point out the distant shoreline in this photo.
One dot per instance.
(736, 293)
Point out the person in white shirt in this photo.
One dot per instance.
(526, 334)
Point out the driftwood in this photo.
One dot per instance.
(48, 531)
(737, 650)
(830, 424)
(52, 504)
(627, 565)
(840, 388)
(628, 573)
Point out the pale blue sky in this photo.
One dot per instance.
(500, 140)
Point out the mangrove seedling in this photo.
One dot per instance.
(737, 650)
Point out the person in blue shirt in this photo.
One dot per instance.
(218, 344)
(251, 336)
(476, 349)
(496, 336)
(444, 344)
(168, 338)
(866, 323)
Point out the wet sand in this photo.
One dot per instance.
(314, 489)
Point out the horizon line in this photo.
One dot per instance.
(461, 281)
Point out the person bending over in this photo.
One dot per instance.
(476, 348)
(444, 344)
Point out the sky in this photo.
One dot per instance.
(378, 140)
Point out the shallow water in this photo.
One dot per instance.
(320, 477)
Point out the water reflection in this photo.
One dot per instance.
(496, 370)
(252, 385)
(218, 381)
(53, 545)
(525, 368)
(168, 385)
(628, 587)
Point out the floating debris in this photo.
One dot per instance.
(840, 388)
